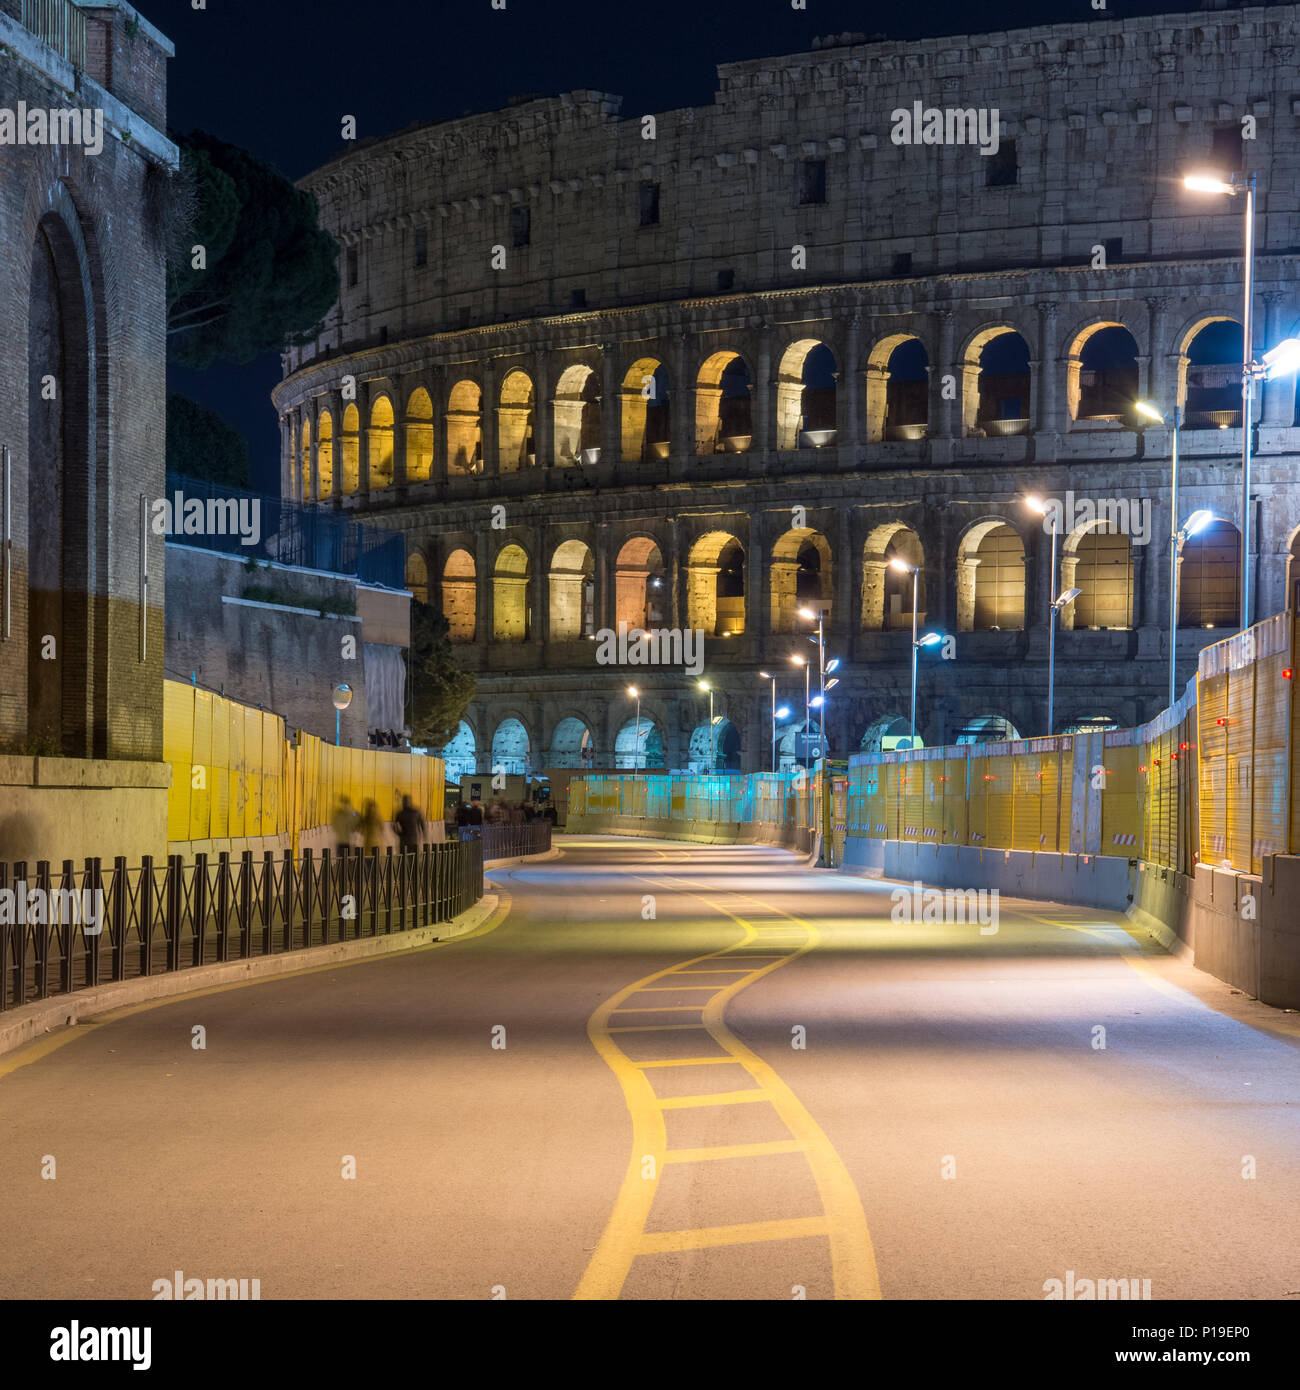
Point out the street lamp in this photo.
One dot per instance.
(900, 566)
(636, 755)
(818, 616)
(768, 677)
(1195, 523)
(1243, 184)
(803, 661)
(704, 685)
(1036, 504)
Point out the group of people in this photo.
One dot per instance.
(499, 812)
(408, 825)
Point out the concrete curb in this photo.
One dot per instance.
(490, 864)
(31, 1021)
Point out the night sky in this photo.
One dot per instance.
(277, 76)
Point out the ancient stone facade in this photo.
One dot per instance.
(773, 359)
(82, 382)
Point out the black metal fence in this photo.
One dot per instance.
(512, 841)
(118, 923)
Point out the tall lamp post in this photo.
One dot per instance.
(704, 685)
(803, 661)
(818, 616)
(1242, 185)
(930, 638)
(636, 756)
(1058, 601)
(1147, 409)
(768, 677)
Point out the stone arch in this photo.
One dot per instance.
(350, 450)
(1209, 577)
(379, 440)
(724, 417)
(725, 746)
(1101, 378)
(647, 754)
(990, 578)
(995, 383)
(461, 755)
(511, 747)
(1292, 599)
(325, 454)
(641, 598)
(1209, 373)
(1098, 559)
(511, 595)
(577, 415)
(570, 742)
(465, 427)
(419, 436)
(67, 698)
(646, 412)
(417, 576)
(805, 396)
(898, 389)
(305, 448)
(715, 585)
(801, 574)
(886, 593)
(516, 422)
(572, 591)
(987, 728)
(882, 735)
(460, 596)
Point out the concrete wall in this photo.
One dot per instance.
(277, 657)
(73, 808)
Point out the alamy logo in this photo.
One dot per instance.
(1104, 1289)
(20, 905)
(953, 125)
(52, 126)
(664, 646)
(179, 515)
(197, 1290)
(921, 904)
(1125, 516)
(77, 1343)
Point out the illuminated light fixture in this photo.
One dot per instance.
(1157, 762)
(1221, 721)
(901, 565)
(1036, 504)
(809, 615)
(766, 675)
(1207, 182)
(633, 691)
(1148, 411)
(1142, 767)
(832, 665)
(704, 685)
(1183, 747)
(783, 712)
(834, 681)
(1286, 673)
(1283, 360)
(929, 640)
(799, 660)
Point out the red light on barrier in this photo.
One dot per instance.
(1286, 673)
(1221, 721)
(1142, 767)
(1183, 747)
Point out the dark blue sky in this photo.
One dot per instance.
(277, 76)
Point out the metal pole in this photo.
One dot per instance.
(807, 717)
(1051, 640)
(713, 757)
(636, 755)
(1247, 394)
(821, 662)
(773, 723)
(1173, 564)
(916, 582)
(338, 715)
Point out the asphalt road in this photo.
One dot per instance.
(676, 1072)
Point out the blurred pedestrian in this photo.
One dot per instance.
(345, 823)
(372, 827)
(409, 824)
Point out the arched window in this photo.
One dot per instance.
(1099, 562)
(898, 389)
(419, 436)
(995, 384)
(381, 444)
(511, 597)
(417, 577)
(460, 596)
(465, 428)
(805, 396)
(886, 591)
(510, 748)
(325, 454)
(640, 586)
(1212, 376)
(715, 585)
(1102, 375)
(1209, 577)
(990, 579)
(577, 416)
(515, 423)
(460, 755)
(723, 409)
(572, 593)
(646, 423)
(571, 744)
(800, 575)
(350, 451)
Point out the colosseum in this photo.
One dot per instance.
(715, 369)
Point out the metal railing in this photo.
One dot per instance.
(510, 841)
(60, 24)
(155, 918)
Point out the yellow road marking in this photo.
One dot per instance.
(33, 1052)
(794, 1228)
(652, 1027)
(853, 1266)
(772, 1146)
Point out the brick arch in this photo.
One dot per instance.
(516, 421)
(1086, 402)
(996, 597)
(880, 582)
(708, 564)
(638, 563)
(645, 420)
(886, 403)
(464, 419)
(419, 435)
(724, 416)
(802, 410)
(788, 576)
(974, 409)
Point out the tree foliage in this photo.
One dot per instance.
(440, 690)
(200, 444)
(269, 273)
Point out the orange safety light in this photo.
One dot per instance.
(1183, 747)
(1221, 721)
(1142, 768)
(1286, 673)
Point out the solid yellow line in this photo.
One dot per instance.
(660, 1242)
(713, 1098)
(775, 1146)
(33, 1052)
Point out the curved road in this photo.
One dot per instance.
(675, 1072)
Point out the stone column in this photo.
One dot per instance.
(1045, 380)
(1279, 394)
(764, 397)
(402, 388)
(286, 455)
(436, 385)
(543, 411)
(488, 418)
(540, 628)
(945, 417)
(757, 615)
(842, 566)
(311, 488)
(673, 565)
(848, 412)
(335, 404)
(604, 601)
(682, 418)
(483, 596)
(611, 439)
(1162, 383)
